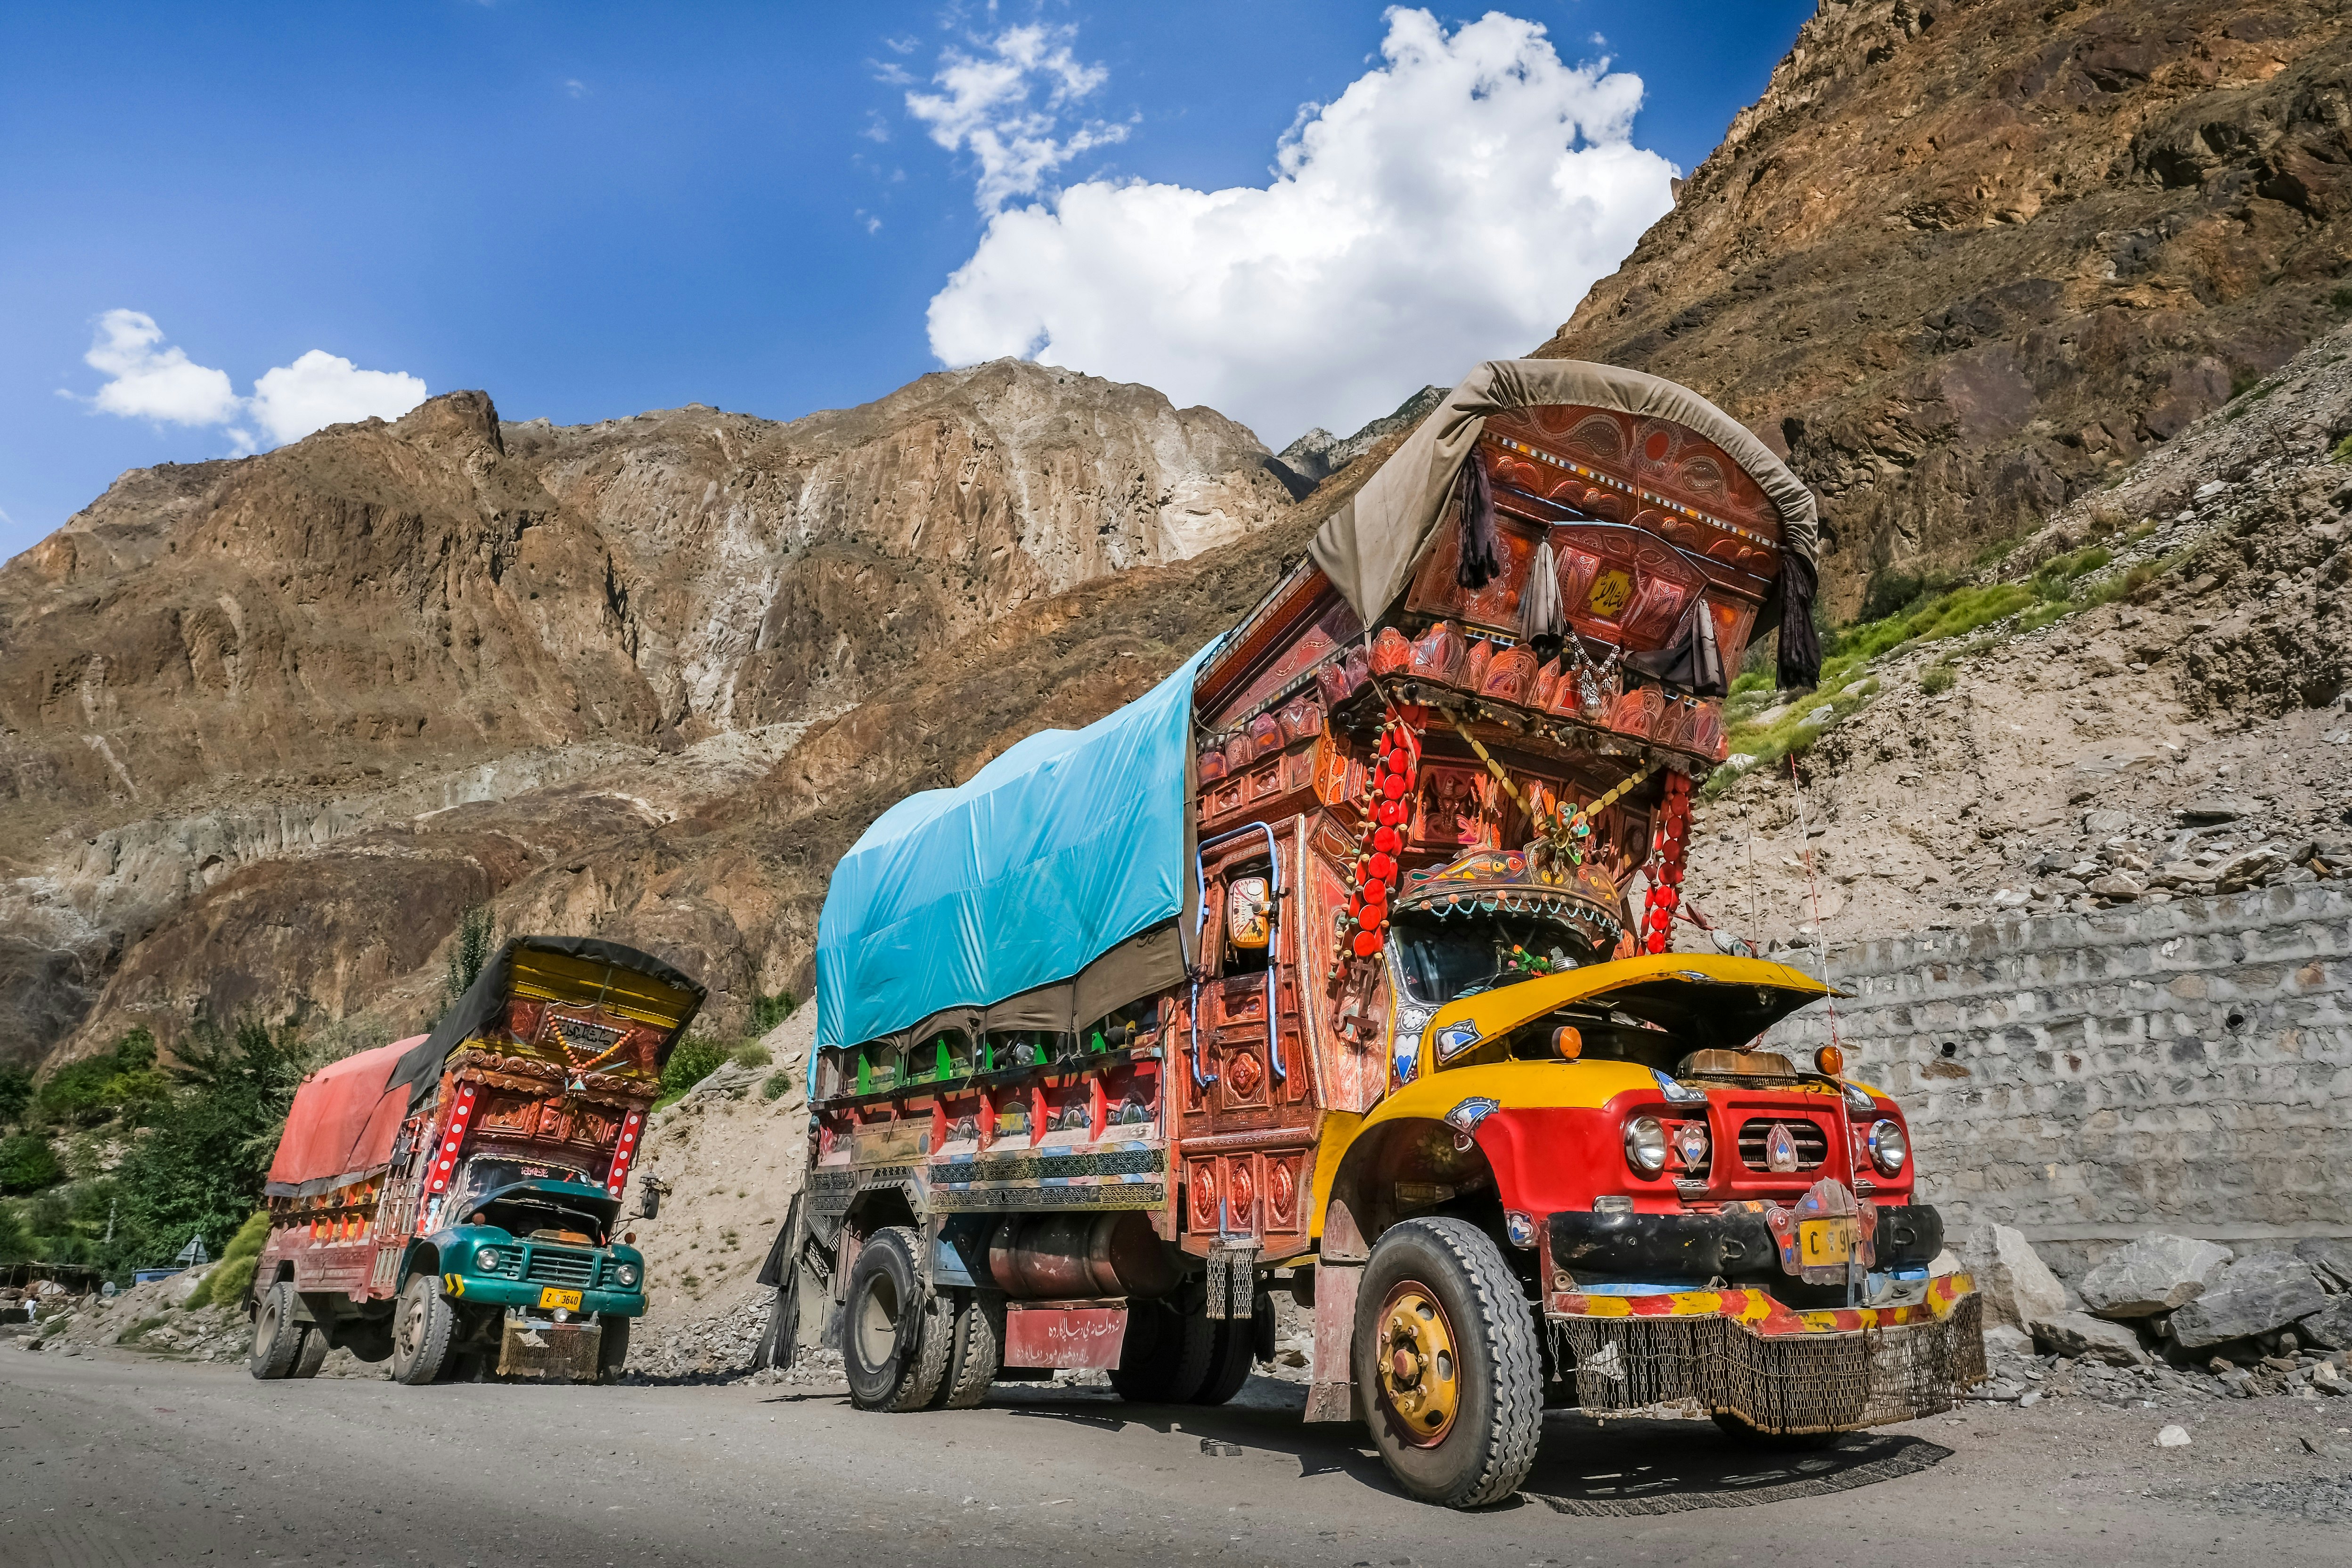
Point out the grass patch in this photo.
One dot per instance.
(2341, 452)
(231, 1279)
(1937, 678)
(751, 1054)
(131, 1335)
(775, 1085)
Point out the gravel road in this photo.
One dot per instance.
(109, 1457)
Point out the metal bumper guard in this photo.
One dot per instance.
(1778, 1369)
(478, 1290)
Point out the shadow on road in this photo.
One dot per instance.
(1620, 1468)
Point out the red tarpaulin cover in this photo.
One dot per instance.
(342, 1122)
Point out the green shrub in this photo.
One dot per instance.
(199, 1172)
(1890, 591)
(2341, 452)
(1937, 678)
(16, 1093)
(693, 1058)
(120, 1083)
(16, 1241)
(775, 1085)
(470, 948)
(750, 1054)
(231, 1279)
(27, 1164)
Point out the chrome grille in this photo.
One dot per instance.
(558, 1265)
(1813, 1143)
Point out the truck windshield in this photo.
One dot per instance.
(1445, 959)
(483, 1175)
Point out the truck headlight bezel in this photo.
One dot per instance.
(1890, 1150)
(489, 1260)
(625, 1275)
(1645, 1145)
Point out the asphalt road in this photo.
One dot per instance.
(106, 1459)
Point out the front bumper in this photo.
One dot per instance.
(476, 1289)
(1695, 1249)
(1744, 1354)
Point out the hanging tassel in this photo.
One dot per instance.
(1540, 615)
(1479, 565)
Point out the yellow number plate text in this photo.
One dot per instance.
(1825, 1241)
(551, 1298)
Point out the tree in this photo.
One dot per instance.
(200, 1170)
(15, 1092)
(469, 951)
(27, 1164)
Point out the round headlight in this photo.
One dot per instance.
(1645, 1144)
(487, 1260)
(1888, 1147)
(626, 1274)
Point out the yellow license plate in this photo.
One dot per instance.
(552, 1298)
(1825, 1241)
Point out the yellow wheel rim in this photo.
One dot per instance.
(1420, 1369)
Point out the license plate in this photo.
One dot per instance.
(552, 1298)
(1825, 1241)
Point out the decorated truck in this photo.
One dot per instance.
(1320, 968)
(451, 1201)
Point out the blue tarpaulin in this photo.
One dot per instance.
(1064, 846)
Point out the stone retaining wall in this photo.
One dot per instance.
(2089, 1078)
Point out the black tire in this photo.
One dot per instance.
(277, 1334)
(1739, 1430)
(895, 1339)
(1167, 1354)
(979, 1349)
(423, 1325)
(313, 1353)
(1455, 1403)
(613, 1349)
(1232, 1353)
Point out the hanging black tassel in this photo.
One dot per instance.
(1800, 645)
(1479, 563)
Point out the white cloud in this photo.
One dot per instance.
(1002, 106)
(149, 381)
(322, 389)
(1453, 205)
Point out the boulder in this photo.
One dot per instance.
(2002, 1339)
(2117, 885)
(2153, 1274)
(2331, 1326)
(2082, 1336)
(2017, 1286)
(2330, 1257)
(182, 1285)
(2252, 1296)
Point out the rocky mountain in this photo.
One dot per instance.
(1317, 455)
(267, 724)
(1967, 260)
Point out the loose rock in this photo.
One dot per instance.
(2153, 1274)
(2252, 1296)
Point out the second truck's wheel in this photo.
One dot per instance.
(894, 1338)
(1167, 1354)
(313, 1354)
(1446, 1355)
(277, 1334)
(978, 1352)
(422, 1326)
(613, 1349)
(1233, 1351)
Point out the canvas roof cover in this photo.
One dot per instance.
(1060, 850)
(342, 1124)
(1369, 546)
(638, 984)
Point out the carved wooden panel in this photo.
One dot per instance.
(1494, 607)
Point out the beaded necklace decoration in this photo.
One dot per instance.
(610, 1039)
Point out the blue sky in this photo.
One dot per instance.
(595, 209)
